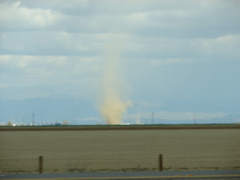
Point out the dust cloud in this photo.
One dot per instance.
(113, 104)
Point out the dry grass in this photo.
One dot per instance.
(119, 150)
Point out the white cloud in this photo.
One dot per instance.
(58, 74)
(48, 43)
(14, 16)
(223, 46)
(157, 62)
(56, 43)
(191, 48)
(57, 68)
(173, 18)
(196, 19)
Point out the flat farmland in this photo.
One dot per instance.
(74, 150)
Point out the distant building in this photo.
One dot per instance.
(125, 124)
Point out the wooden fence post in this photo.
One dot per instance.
(40, 163)
(160, 162)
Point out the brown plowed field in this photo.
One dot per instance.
(119, 148)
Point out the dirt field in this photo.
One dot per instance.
(119, 150)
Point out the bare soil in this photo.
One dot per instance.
(119, 150)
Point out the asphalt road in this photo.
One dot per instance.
(188, 175)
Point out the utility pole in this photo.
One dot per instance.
(33, 121)
(152, 117)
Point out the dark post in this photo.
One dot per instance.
(40, 160)
(160, 162)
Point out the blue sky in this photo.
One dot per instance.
(66, 60)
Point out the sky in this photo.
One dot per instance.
(137, 61)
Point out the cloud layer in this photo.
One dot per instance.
(182, 55)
